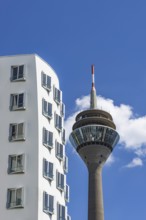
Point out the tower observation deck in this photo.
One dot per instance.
(94, 137)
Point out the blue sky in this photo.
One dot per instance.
(70, 36)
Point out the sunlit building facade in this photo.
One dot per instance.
(33, 164)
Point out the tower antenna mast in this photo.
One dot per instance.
(93, 97)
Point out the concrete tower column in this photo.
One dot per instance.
(95, 197)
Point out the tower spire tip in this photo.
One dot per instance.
(93, 101)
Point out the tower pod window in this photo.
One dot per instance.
(93, 134)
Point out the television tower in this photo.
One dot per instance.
(94, 136)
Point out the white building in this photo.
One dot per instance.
(33, 164)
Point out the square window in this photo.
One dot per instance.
(48, 171)
(60, 181)
(67, 193)
(65, 165)
(48, 203)
(59, 150)
(63, 136)
(17, 102)
(17, 132)
(62, 109)
(47, 138)
(46, 81)
(57, 95)
(47, 109)
(15, 198)
(16, 164)
(58, 122)
(61, 212)
(17, 73)
(68, 217)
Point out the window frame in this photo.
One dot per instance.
(57, 95)
(60, 212)
(46, 166)
(63, 136)
(16, 107)
(18, 73)
(68, 217)
(47, 197)
(60, 178)
(17, 136)
(45, 84)
(45, 113)
(58, 119)
(9, 198)
(16, 170)
(65, 164)
(59, 150)
(62, 109)
(47, 135)
(67, 192)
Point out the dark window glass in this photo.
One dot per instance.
(21, 70)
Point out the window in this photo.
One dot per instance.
(47, 138)
(61, 212)
(47, 109)
(60, 181)
(46, 81)
(67, 193)
(15, 198)
(63, 136)
(48, 170)
(17, 73)
(58, 122)
(68, 217)
(57, 95)
(16, 163)
(17, 101)
(48, 203)
(17, 132)
(59, 150)
(65, 165)
(62, 109)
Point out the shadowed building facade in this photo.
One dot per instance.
(94, 137)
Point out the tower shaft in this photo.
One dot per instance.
(95, 197)
(94, 137)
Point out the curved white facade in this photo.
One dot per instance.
(28, 108)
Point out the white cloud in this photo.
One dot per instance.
(136, 162)
(131, 128)
(110, 160)
(141, 152)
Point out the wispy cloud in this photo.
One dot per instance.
(132, 128)
(136, 162)
(110, 160)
